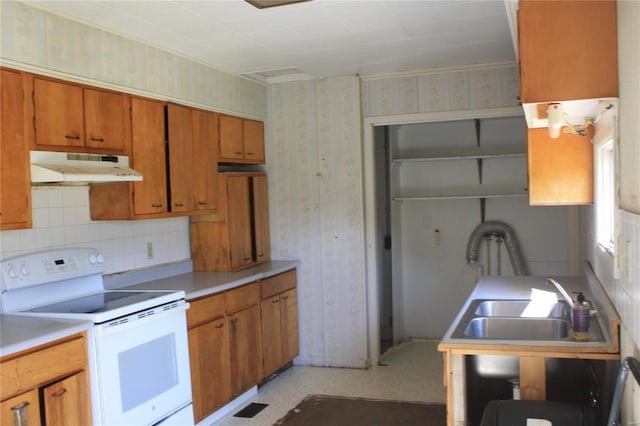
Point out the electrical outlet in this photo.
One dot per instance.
(149, 250)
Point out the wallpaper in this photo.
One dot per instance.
(315, 175)
(441, 90)
(35, 38)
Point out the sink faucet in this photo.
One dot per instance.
(561, 290)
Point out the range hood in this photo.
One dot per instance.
(76, 169)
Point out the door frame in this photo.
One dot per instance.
(372, 244)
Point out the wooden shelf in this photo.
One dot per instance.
(465, 154)
(450, 194)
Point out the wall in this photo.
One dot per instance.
(315, 189)
(40, 42)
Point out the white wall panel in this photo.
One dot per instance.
(314, 164)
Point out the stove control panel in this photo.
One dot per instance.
(48, 266)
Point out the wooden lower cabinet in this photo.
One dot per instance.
(279, 321)
(210, 370)
(50, 382)
(244, 349)
(66, 403)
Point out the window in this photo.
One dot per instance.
(605, 187)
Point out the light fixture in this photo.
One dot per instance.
(263, 4)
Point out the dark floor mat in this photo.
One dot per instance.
(324, 410)
(250, 410)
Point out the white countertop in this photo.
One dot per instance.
(18, 333)
(198, 284)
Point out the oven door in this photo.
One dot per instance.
(143, 366)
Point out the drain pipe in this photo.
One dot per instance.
(508, 236)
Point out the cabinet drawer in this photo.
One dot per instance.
(205, 309)
(278, 283)
(42, 366)
(242, 297)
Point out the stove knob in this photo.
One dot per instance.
(92, 259)
(13, 272)
(24, 270)
(100, 259)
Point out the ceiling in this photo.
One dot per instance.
(313, 39)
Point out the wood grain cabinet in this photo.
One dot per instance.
(71, 117)
(238, 237)
(209, 354)
(224, 347)
(279, 309)
(15, 180)
(50, 384)
(567, 50)
(241, 140)
(174, 147)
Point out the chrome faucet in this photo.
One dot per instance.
(561, 290)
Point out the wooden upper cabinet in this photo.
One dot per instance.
(241, 140)
(180, 129)
(106, 120)
(148, 152)
(567, 49)
(71, 117)
(560, 170)
(253, 132)
(231, 147)
(261, 219)
(239, 217)
(15, 180)
(205, 159)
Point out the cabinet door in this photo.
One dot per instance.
(180, 158)
(289, 314)
(272, 334)
(209, 355)
(239, 218)
(15, 189)
(66, 402)
(231, 138)
(253, 138)
(245, 349)
(560, 170)
(58, 114)
(27, 404)
(567, 49)
(261, 219)
(205, 159)
(148, 152)
(105, 118)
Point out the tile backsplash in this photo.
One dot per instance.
(61, 219)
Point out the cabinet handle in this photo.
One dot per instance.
(237, 152)
(275, 301)
(261, 255)
(20, 414)
(179, 204)
(247, 258)
(249, 153)
(221, 325)
(156, 205)
(285, 297)
(59, 393)
(202, 203)
(77, 137)
(97, 139)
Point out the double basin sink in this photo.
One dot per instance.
(503, 320)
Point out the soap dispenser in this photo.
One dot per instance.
(580, 321)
